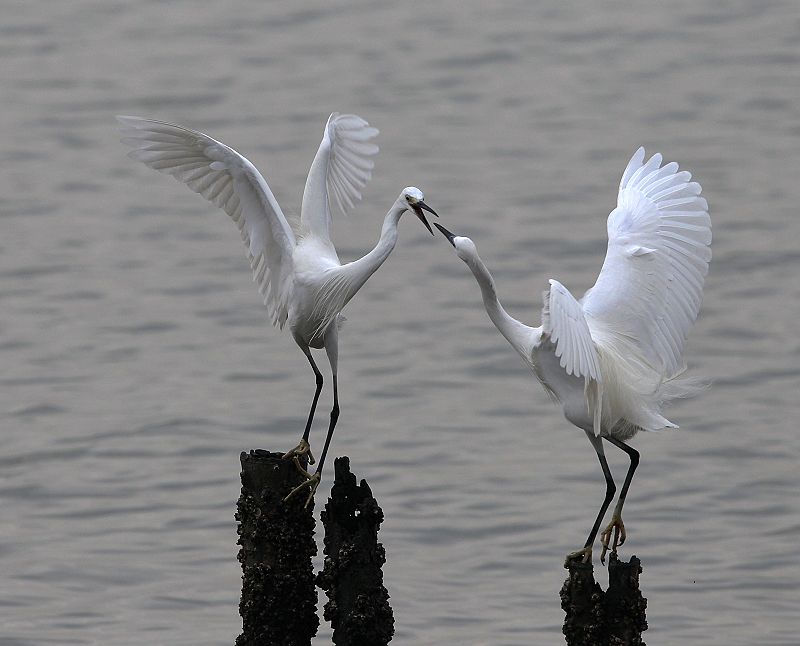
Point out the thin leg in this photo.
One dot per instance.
(586, 553)
(332, 349)
(616, 525)
(303, 448)
(318, 376)
(332, 426)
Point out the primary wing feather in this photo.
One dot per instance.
(650, 288)
(227, 180)
(340, 170)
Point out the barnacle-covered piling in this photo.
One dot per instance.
(279, 600)
(358, 603)
(625, 605)
(615, 617)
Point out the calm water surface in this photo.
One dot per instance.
(137, 361)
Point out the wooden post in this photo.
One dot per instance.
(358, 603)
(582, 601)
(279, 600)
(596, 618)
(625, 605)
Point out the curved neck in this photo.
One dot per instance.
(358, 272)
(516, 333)
(386, 242)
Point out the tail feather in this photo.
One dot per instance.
(683, 388)
(635, 392)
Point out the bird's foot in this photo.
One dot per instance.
(617, 527)
(583, 556)
(312, 483)
(303, 448)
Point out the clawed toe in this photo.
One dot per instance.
(303, 448)
(582, 556)
(617, 528)
(312, 483)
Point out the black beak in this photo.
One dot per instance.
(447, 234)
(419, 207)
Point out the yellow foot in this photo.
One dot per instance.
(303, 448)
(617, 527)
(584, 556)
(312, 483)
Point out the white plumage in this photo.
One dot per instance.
(295, 265)
(651, 284)
(563, 321)
(614, 358)
(227, 180)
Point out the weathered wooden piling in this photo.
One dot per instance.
(358, 603)
(279, 600)
(278, 604)
(625, 605)
(615, 617)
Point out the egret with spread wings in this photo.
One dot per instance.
(613, 358)
(295, 265)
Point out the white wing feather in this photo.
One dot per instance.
(564, 323)
(228, 180)
(341, 169)
(650, 287)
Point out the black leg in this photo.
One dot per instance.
(331, 347)
(303, 448)
(318, 376)
(313, 481)
(633, 454)
(616, 527)
(611, 489)
(585, 554)
(334, 419)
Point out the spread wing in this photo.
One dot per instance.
(564, 323)
(227, 180)
(649, 290)
(340, 170)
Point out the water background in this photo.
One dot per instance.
(136, 361)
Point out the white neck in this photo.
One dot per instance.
(357, 273)
(386, 242)
(519, 335)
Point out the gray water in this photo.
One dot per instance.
(137, 361)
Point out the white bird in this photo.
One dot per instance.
(613, 359)
(294, 263)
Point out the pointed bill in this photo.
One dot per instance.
(447, 234)
(418, 208)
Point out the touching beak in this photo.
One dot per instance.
(447, 234)
(418, 208)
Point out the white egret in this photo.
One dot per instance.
(613, 359)
(294, 263)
